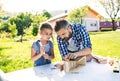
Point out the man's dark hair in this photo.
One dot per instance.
(45, 26)
(61, 24)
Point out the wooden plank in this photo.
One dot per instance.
(72, 65)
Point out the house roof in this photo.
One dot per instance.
(95, 12)
(65, 14)
(57, 16)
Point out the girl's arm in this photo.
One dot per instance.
(35, 57)
(52, 54)
(46, 56)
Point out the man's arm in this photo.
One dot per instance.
(62, 48)
(86, 43)
(83, 52)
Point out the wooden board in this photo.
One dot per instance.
(73, 65)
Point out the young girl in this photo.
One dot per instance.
(42, 50)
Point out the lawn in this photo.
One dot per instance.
(106, 43)
(16, 55)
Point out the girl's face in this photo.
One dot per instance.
(46, 34)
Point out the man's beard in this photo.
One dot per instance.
(67, 38)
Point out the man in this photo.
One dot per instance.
(73, 40)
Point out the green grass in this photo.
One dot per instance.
(16, 55)
(106, 43)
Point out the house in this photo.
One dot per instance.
(61, 16)
(91, 19)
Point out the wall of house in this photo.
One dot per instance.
(91, 24)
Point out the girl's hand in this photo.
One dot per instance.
(46, 56)
(42, 51)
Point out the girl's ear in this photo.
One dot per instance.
(40, 32)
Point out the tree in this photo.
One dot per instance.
(13, 30)
(22, 22)
(35, 29)
(76, 15)
(37, 19)
(4, 27)
(46, 14)
(112, 8)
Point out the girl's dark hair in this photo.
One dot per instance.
(45, 26)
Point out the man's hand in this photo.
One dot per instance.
(66, 58)
(72, 56)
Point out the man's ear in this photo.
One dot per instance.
(69, 28)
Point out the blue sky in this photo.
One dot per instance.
(39, 5)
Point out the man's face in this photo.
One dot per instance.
(64, 33)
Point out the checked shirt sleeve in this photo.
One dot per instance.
(85, 37)
(62, 47)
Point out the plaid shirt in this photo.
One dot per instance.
(79, 35)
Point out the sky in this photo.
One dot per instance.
(35, 6)
(39, 5)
